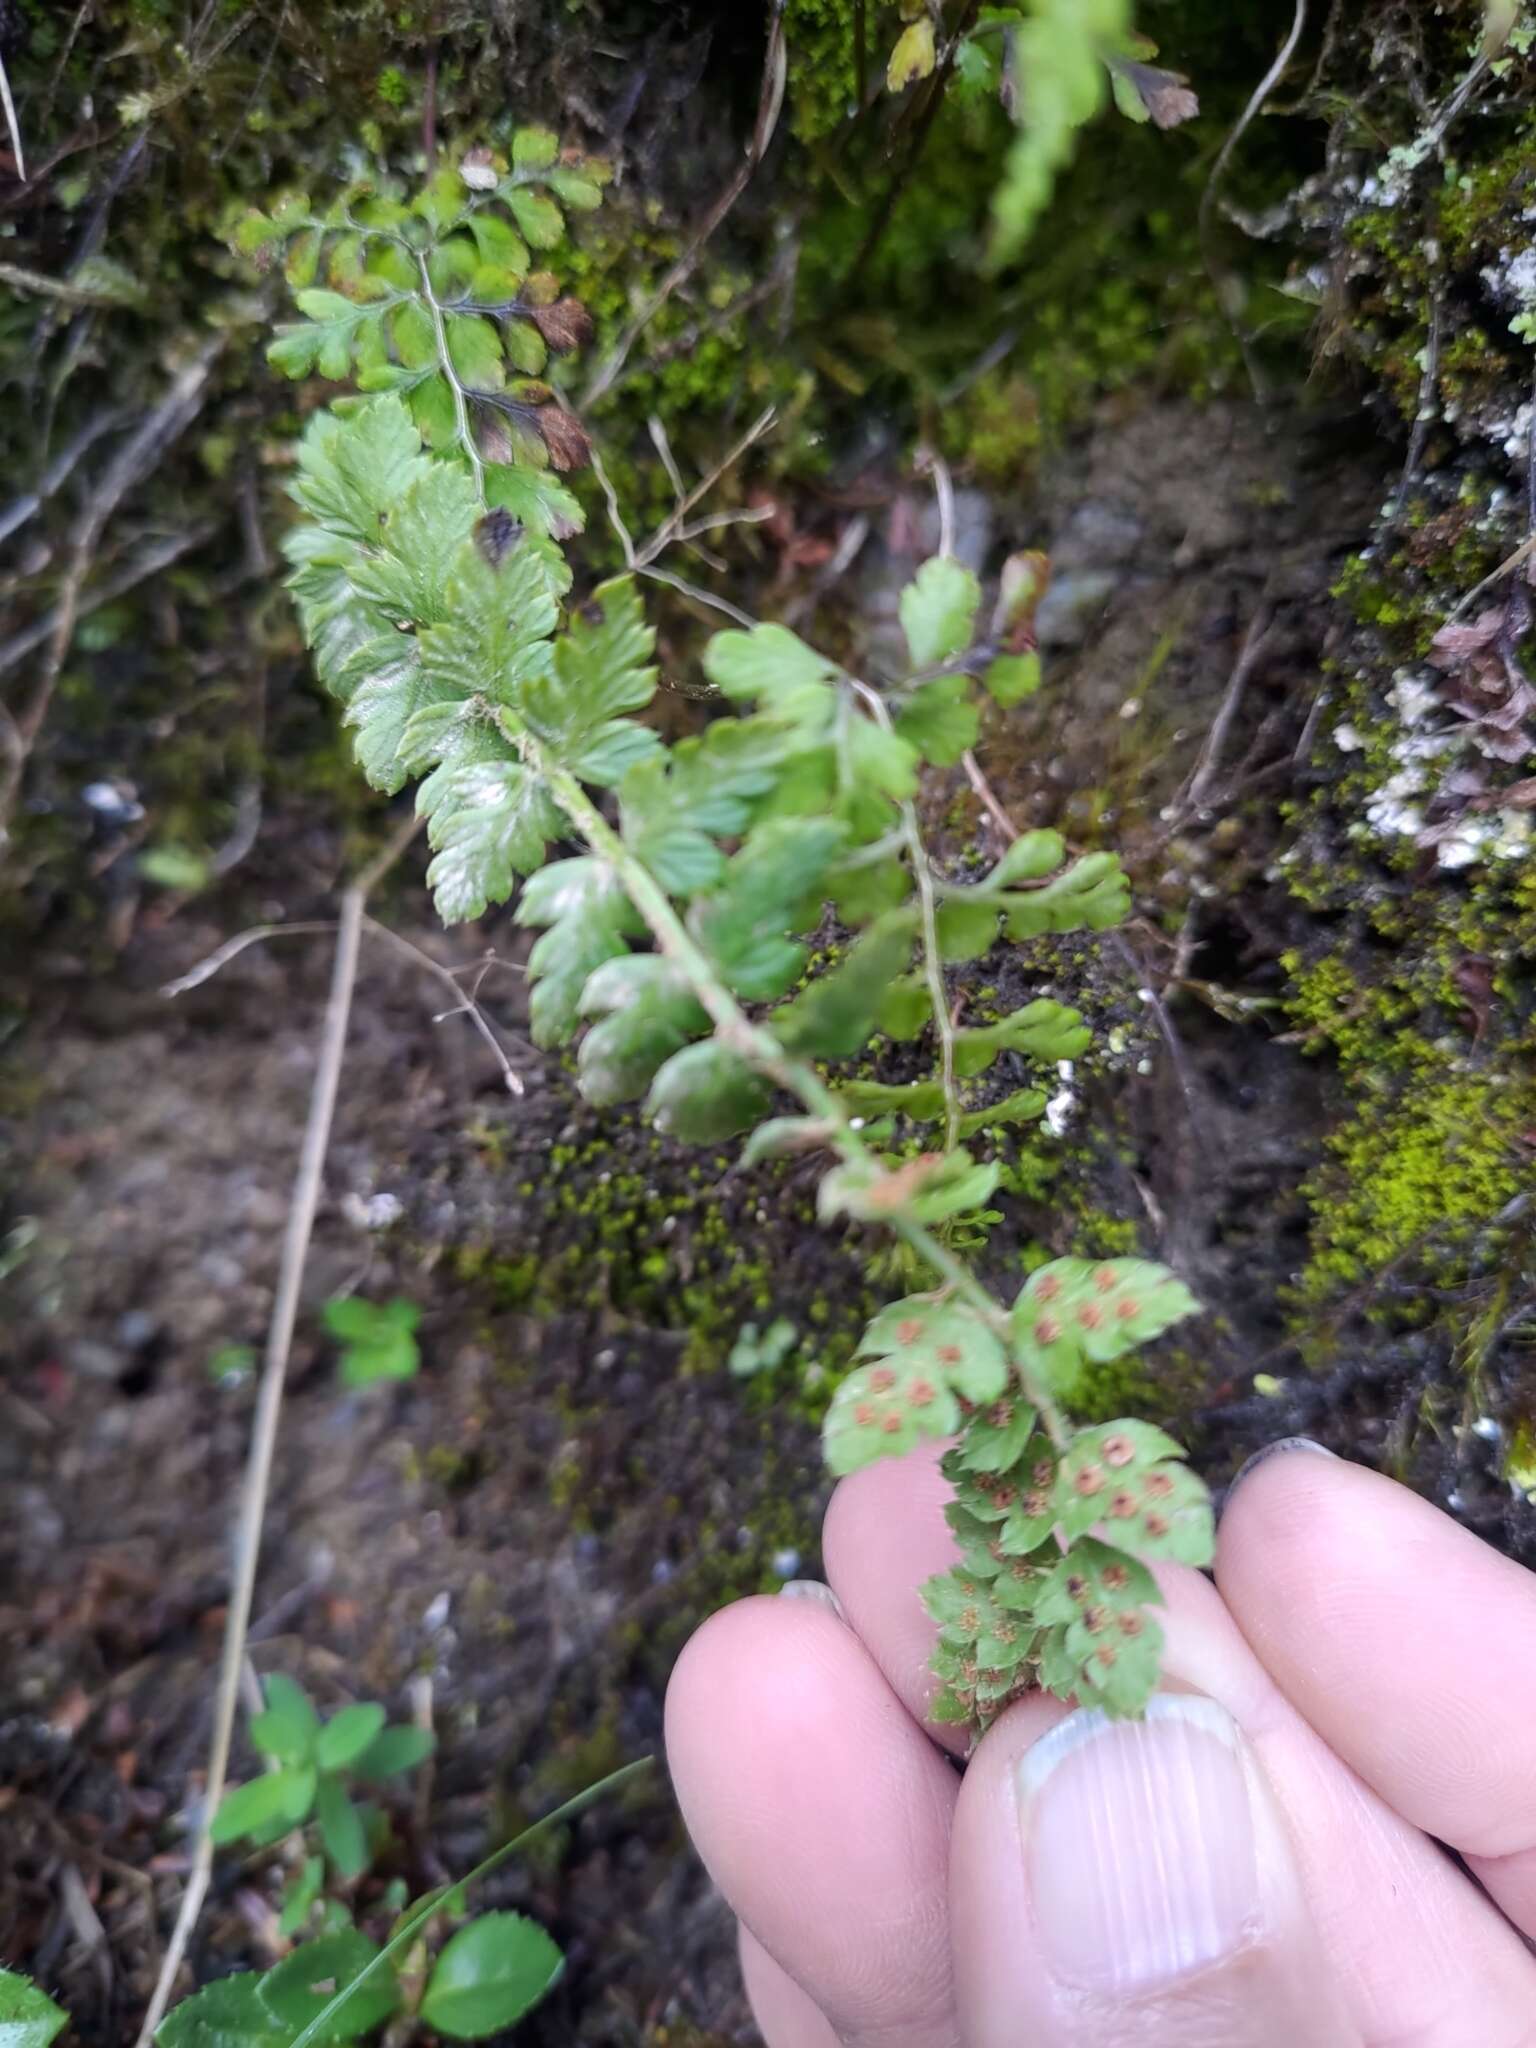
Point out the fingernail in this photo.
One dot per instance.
(814, 1591)
(1140, 1845)
(1279, 1448)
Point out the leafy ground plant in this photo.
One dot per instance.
(378, 1342)
(433, 589)
(484, 1978)
(314, 1766)
(758, 1351)
(463, 1985)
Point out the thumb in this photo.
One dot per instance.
(1131, 1885)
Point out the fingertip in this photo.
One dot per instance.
(786, 2015)
(1406, 1642)
(820, 1810)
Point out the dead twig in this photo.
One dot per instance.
(989, 802)
(1208, 764)
(770, 102)
(464, 1000)
(13, 126)
(929, 460)
(465, 1004)
(1428, 408)
(138, 456)
(676, 527)
(1219, 277)
(157, 556)
(205, 970)
(59, 471)
(269, 1400)
(1523, 553)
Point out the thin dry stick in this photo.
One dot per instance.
(988, 796)
(464, 1005)
(1207, 766)
(1261, 93)
(156, 556)
(641, 561)
(944, 491)
(132, 462)
(672, 527)
(205, 970)
(59, 471)
(12, 124)
(770, 101)
(269, 1400)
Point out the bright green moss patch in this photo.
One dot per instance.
(1419, 1182)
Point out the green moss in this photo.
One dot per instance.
(994, 432)
(1420, 1182)
(823, 65)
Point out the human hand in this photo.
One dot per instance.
(1256, 1865)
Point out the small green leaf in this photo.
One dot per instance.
(300, 1987)
(928, 1189)
(579, 191)
(1011, 678)
(590, 920)
(490, 823)
(1106, 1306)
(996, 1441)
(394, 1751)
(489, 1974)
(1103, 1646)
(229, 2013)
(1023, 1106)
(1045, 1029)
(534, 149)
(536, 499)
(879, 760)
(497, 243)
(832, 1018)
(341, 1829)
(921, 1100)
(965, 930)
(288, 1725)
(378, 1342)
(474, 347)
(706, 1093)
(1031, 857)
(649, 1012)
(939, 720)
(926, 1353)
(347, 1734)
(279, 1797)
(772, 666)
(300, 1896)
(542, 222)
(772, 886)
(938, 607)
(1130, 1477)
(1094, 894)
(28, 2017)
(905, 1007)
(914, 56)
